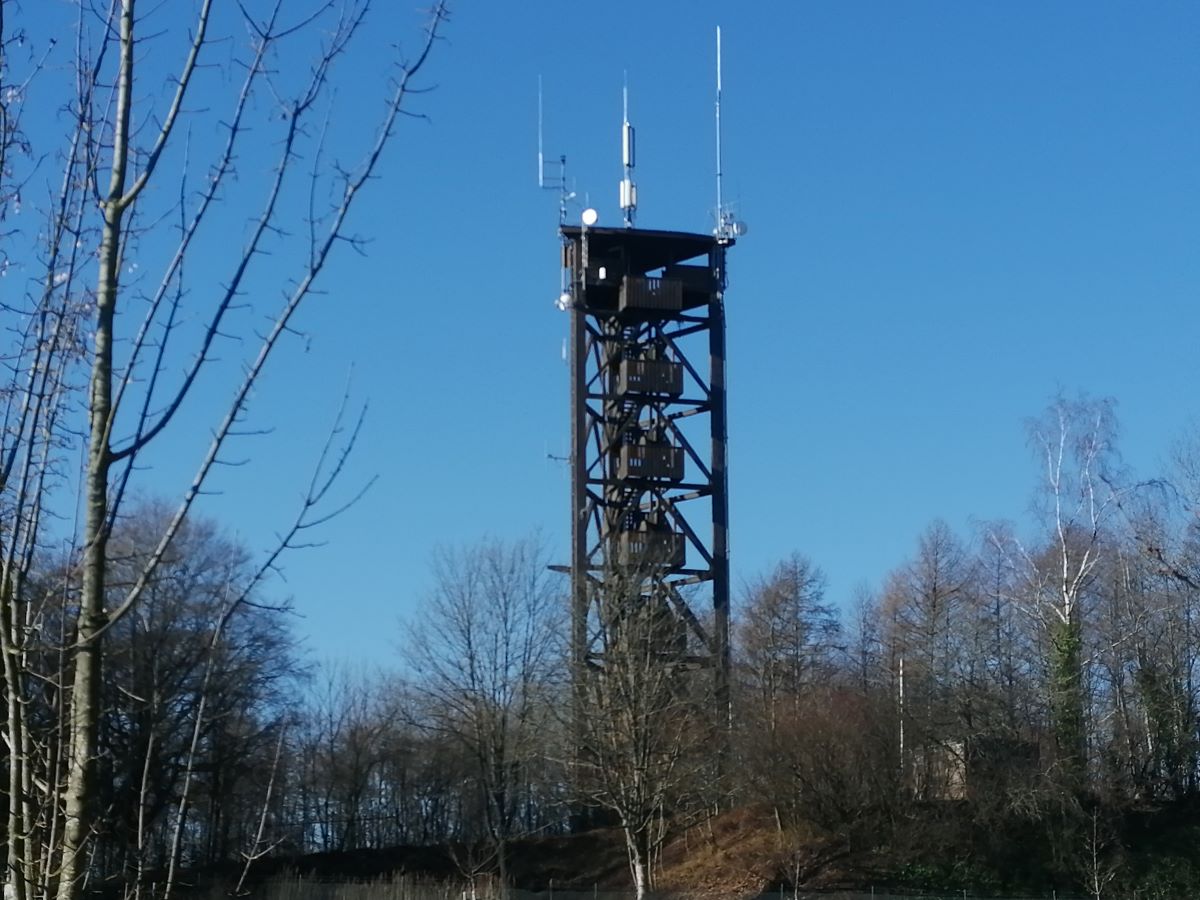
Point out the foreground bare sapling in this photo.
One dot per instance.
(174, 126)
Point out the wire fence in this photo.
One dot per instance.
(403, 888)
(408, 888)
(787, 894)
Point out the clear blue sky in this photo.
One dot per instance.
(955, 210)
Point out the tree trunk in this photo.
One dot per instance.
(639, 865)
(17, 861)
(1066, 702)
(82, 723)
(638, 845)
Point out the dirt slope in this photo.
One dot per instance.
(740, 853)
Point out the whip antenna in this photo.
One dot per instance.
(727, 226)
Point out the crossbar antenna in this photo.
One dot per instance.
(555, 182)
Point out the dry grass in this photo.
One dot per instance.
(736, 854)
(400, 887)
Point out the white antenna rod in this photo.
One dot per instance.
(557, 180)
(727, 227)
(541, 158)
(720, 198)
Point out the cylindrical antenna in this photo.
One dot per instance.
(627, 159)
(563, 194)
(541, 160)
(628, 188)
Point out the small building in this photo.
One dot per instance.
(971, 768)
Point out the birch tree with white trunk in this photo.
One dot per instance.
(1075, 443)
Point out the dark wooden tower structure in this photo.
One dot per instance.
(649, 498)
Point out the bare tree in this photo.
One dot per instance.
(107, 392)
(184, 668)
(643, 717)
(486, 657)
(928, 605)
(788, 649)
(341, 748)
(1075, 443)
(789, 634)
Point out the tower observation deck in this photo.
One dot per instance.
(649, 499)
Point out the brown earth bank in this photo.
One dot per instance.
(737, 853)
(745, 853)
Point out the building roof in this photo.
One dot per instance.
(645, 249)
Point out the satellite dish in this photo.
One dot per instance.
(564, 301)
(590, 216)
(740, 228)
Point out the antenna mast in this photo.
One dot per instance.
(720, 198)
(558, 183)
(628, 188)
(552, 182)
(727, 226)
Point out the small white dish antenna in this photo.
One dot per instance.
(590, 217)
(564, 301)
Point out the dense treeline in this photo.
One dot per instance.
(1014, 704)
(1015, 701)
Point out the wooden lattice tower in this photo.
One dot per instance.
(649, 495)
